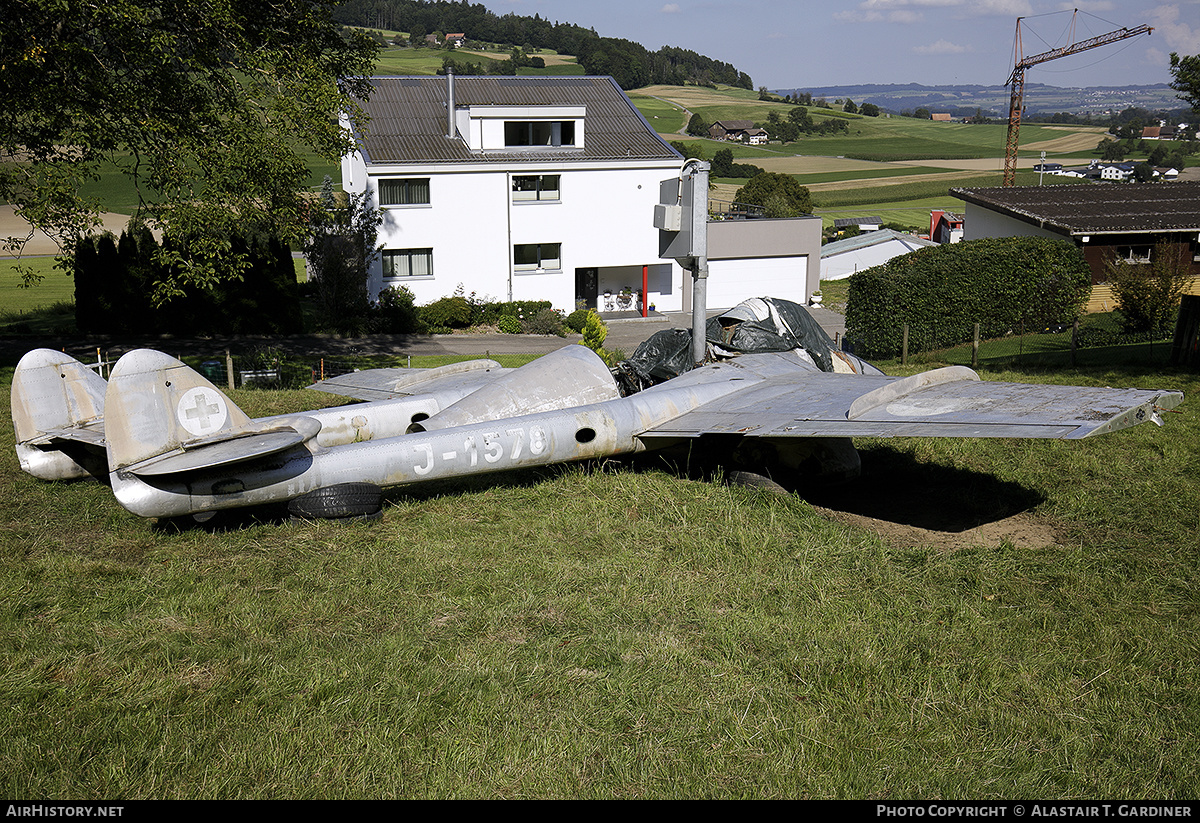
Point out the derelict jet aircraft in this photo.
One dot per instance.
(171, 443)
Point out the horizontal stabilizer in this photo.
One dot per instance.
(91, 434)
(229, 448)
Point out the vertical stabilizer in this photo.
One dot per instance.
(58, 416)
(155, 404)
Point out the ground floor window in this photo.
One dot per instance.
(537, 256)
(408, 263)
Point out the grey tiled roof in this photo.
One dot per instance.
(408, 119)
(1096, 209)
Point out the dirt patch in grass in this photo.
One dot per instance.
(1024, 531)
(910, 501)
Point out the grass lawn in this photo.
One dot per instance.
(48, 306)
(974, 619)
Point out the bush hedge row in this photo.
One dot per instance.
(1007, 285)
(114, 279)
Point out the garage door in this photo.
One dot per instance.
(732, 281)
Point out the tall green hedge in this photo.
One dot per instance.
(1005, 284)
(114, 278)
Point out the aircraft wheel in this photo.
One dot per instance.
(344, 501)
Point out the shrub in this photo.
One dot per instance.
(396, 313)
(487, 314)
(576, 319)
(1003, 284)
(594, 334)
(509, 324)
(545, 321)
(1148, 295)
(448, 312)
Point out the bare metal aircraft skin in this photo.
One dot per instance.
(171, 443)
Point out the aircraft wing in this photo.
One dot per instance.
(384, 384)
(949, 402)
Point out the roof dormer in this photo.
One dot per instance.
(522, 128)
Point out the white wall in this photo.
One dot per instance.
(603, 219)
(980, 222)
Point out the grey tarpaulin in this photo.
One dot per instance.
(762, 324)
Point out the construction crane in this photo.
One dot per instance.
(1017, 80)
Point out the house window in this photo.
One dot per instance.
(412, 191)
(407, 263)
(1134, 254)
(539, 133)
(535, 187)
(537, 256)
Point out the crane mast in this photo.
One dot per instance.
(1017, 81)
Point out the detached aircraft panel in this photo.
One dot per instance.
(455, 380)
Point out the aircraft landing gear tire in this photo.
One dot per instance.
(344, 501)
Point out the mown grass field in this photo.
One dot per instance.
(973, 619)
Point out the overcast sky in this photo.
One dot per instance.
(806, 43)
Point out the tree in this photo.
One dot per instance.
(849, 107)
(1143, 173)
(780, 195)
(1186, 71)
(1111, 150)
(339, 251)
(211, 109)
(1147, 295)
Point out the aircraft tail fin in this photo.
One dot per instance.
(155, 404)
(166, 419)
(58, 416)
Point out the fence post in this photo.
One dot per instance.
(975, 349)
(229, 368)
(904, 348)
(1074, 340)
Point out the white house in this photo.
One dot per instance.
(514, 188)
(526, 188)
(842, 258)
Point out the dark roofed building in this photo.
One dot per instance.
(1105, 220)
(860, 223)
(730, 129)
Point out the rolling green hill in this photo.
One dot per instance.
(898, 167)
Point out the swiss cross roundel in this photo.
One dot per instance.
(201, 411)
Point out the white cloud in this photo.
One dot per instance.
(670, 8)
(1084, 5)
(941, 47)
(1180, 37)
(912, 11)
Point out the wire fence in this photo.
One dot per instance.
(270, 368)
(1064, 346)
